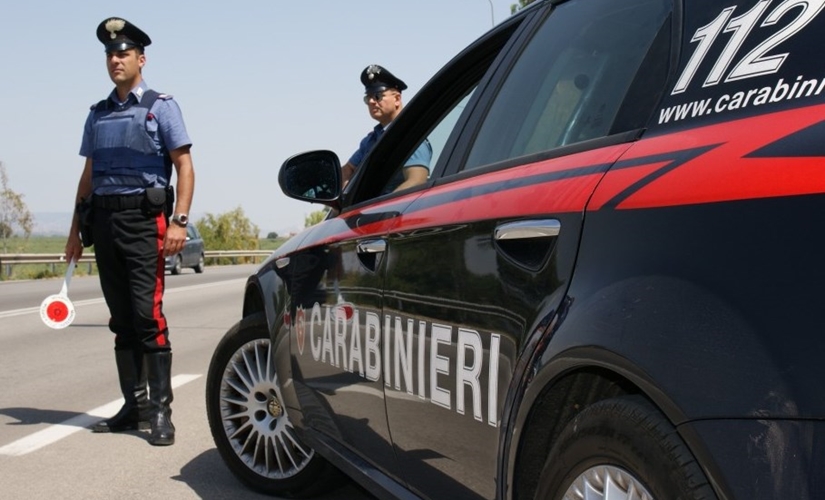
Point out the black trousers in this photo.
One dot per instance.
(129, 254)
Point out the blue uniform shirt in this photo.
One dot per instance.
(167, 130)
(366, 145)
(420, 157)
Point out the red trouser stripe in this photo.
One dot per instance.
(160, 271)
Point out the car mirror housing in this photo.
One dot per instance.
(314, 176)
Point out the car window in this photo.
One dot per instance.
(569, 83)
(438, 137)
(429, 149)
(433, 119)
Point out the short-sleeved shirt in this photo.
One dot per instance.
(366, 145)
(420, 157)
(167, 130)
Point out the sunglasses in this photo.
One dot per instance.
(376, 96)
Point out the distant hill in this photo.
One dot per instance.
(51, 223)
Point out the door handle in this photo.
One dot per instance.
(525, 229)
(527, 243)
(370, 253)
(372, 246)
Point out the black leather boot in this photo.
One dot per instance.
(134, 414)
(159, 368)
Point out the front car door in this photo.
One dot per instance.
(340, 362)
(334, 285)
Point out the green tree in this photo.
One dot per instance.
(14, 214)
(272, 235)
(315, 217)
(228, 231)
(520, 5)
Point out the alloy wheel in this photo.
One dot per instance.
(605, 482)
(253, 416)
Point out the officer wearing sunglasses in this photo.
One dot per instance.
(382, 95)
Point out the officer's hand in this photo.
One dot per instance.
(174, 240)
(74, 248)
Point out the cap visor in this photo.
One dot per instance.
(119, 46)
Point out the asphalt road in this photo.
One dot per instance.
(56, 383)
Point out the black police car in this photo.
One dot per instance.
(612, 285)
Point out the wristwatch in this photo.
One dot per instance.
(180, 219)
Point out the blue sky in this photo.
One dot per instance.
(258, 81)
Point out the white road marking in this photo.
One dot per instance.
(30, 310)
(20, 312)
(56, 432)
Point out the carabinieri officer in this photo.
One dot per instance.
(131, 142)
(382, 95)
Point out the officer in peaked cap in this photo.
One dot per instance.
(133, 142)
(382, 95)
(117, 34)
(376, 78)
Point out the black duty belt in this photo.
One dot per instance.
(116, 203)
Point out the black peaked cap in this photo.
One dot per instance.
(376, 78)
(116, 33)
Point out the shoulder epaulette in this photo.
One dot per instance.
(165, 97)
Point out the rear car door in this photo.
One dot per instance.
(480, 262)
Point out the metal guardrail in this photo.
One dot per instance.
(9, 260)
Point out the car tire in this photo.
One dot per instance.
(622, 448)
(177, 266)
(249, 424)
(199, 267)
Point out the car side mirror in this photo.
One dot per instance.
(314, 176)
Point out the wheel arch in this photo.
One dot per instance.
(663, 337)
(687, 346)
(558, 388)
(253, 302)
(263, 294)
(555, 396)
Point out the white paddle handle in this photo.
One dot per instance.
(69, 270)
